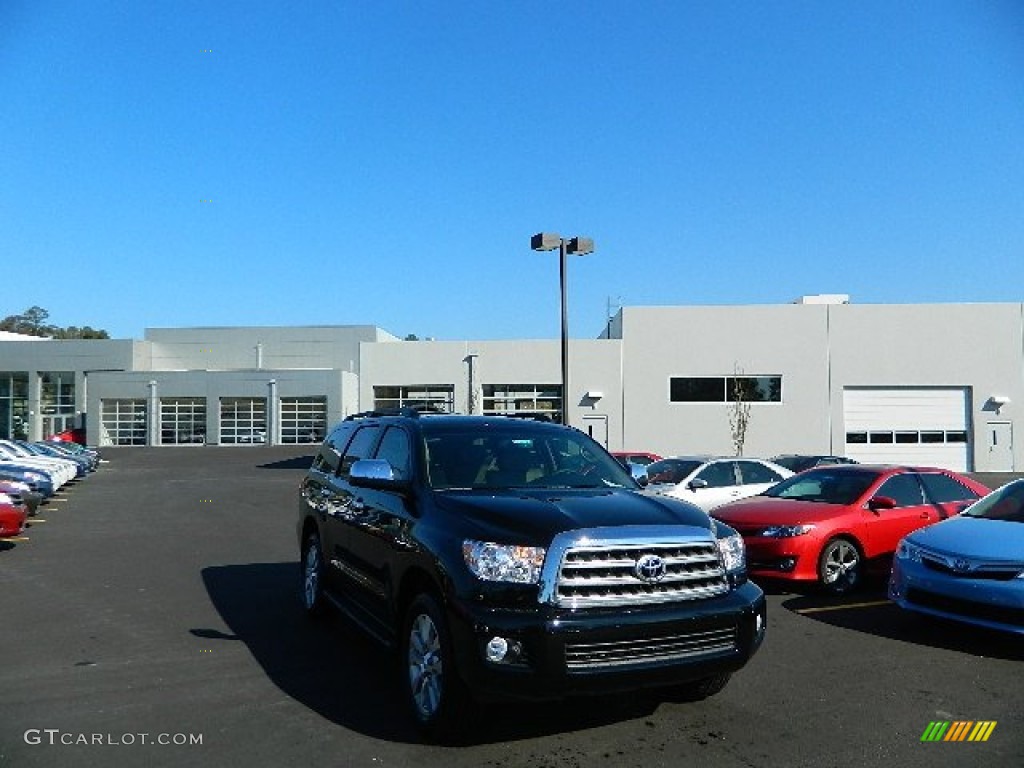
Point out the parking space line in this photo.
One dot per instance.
(15, 538)
(823, 608)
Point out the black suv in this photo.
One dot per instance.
(515, 558)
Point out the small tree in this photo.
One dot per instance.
(739, 409)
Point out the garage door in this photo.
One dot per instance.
(925, 426)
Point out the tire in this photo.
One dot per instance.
(699, 690)
(312, 583)
(840, 567)
(437, 697)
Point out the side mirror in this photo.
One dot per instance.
(696, 484)
(878, 503)
(375, 473)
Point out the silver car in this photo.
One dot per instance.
(969, 568)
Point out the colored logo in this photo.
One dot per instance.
(959, 730)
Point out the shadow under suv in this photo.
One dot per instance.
(511, 558)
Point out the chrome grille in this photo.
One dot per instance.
(649, 650)
(595, 575)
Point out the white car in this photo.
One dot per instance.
(60, 471)
(711, 481)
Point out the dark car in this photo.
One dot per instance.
(510, 558)
(798, 462)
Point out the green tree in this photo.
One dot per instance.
(32, 322)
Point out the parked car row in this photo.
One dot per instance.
(950, 546)
(31, 472)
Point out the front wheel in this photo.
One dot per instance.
(312, 577)
(839, 566)
(437, 696)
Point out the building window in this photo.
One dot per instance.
(722, 389)
(123, 421)
(57, 394)
(303, 419)
(182, 420)
(14, 406)
(435, 397)
(543, 400)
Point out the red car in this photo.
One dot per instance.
(12, 517)
(829, 524)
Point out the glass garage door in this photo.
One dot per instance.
(123, 422)
(243, 420)
(303, 419)
(183, 420)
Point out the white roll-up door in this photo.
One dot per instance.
(903, 425)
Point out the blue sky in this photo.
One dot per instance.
(312, 162)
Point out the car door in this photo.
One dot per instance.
(720, 488)
(379, 528)
(342, 511)
(885, 527)
(947, 494)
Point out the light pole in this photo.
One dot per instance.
(580, 246)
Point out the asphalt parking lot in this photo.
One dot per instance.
(150, 617)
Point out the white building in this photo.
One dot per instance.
(926, 384)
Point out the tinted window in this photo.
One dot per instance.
(333, 447)
(751, 472)
(941, 488)
(360, 448)
(394, 448)
(718, 475)
(904, 489)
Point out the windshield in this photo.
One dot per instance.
(825, 485)
(526, 457)
(671, 470)
(1005, 504)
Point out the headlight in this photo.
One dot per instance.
(908, 551)
(503, 562)
(732, 552)
(786, 531)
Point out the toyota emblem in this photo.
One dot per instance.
(961, 566)
(650, 569)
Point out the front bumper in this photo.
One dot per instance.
(981, 602)
(792, 559)
(559, 652)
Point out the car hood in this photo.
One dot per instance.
(973, 537)
(768, 510)
(535, 516)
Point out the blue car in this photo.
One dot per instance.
(968, 568)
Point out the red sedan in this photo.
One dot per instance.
(12, 517)
(829, 524)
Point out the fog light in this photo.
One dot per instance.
(497, 649)
(787, 564)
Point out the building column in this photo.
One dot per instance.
(153, 415)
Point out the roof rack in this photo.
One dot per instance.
(409, 411)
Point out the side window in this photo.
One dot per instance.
(941, 488)
(718, 475)
(904, 489)
(360, 447)
(330, 452)
(751, 472)
(394, 448)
